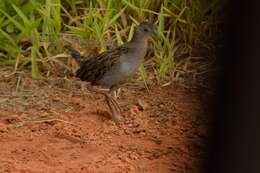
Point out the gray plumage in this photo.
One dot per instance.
(114, 67)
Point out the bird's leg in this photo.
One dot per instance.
(113, 106)
(114, 103)
(116, 93)
(111, 102)
(112, 93)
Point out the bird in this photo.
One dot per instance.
(114, 67)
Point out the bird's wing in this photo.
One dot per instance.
(93, 69)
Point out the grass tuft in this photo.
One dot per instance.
(32, 33)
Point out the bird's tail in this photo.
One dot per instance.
(74, 54)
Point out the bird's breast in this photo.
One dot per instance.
(128, 68)
(124, 69)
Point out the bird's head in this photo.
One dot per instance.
(146, 30)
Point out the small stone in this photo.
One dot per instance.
(3, 128)
(132, 156)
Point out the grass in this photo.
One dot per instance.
(33, 32)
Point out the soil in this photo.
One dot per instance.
(56, 125)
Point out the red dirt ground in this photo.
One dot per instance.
(57, 126)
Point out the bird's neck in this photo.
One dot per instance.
(139, 37)
(137, 48)
(138, 42)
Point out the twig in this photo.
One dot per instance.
(19, 124)
(18, 84)
(17, 95)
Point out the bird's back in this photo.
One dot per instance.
(95, 68)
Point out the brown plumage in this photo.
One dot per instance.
(93, 69)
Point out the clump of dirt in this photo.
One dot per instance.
(57, 125)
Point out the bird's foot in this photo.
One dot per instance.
(118, 119)
(114, 108)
